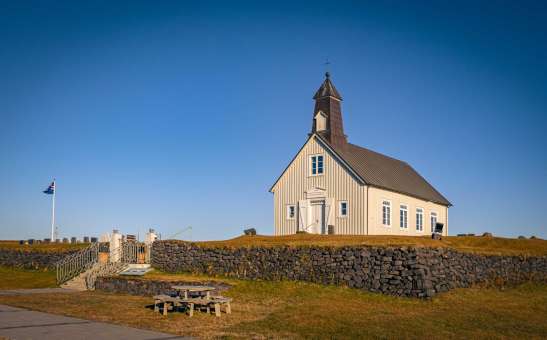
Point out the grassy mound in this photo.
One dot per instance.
(473, 244)
(42, 247)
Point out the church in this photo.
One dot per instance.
(334, 187)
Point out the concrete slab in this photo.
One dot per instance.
(18, 323)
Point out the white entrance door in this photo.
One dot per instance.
(318, 217)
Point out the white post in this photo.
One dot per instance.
(53, 212)
(115, 246)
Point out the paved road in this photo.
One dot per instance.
(18, 323)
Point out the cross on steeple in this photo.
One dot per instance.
(327, 66)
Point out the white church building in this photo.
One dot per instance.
(332, 186)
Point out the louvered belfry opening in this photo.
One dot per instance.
(328, 100)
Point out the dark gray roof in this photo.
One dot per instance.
(388, 173)
(327, 89)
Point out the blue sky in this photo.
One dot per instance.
(171, 114)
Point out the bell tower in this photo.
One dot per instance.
(327, 114)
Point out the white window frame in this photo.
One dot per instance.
(316, 159)
(288, 215)
(389, 217)
(403, 207)
(431, 215)
(340, 209)
(420, 212)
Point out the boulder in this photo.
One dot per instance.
(250, 231)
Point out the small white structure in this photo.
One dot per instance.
(115, 243)
(150, 237)
(104, 238)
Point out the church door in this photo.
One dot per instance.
(318, 217)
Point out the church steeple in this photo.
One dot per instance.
(327, 115)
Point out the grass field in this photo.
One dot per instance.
(303, 310)
(13, 278)
(42, 247)
(475, 244)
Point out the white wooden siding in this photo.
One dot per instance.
(376, 196)
(336, 180)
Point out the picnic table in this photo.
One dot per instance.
(200, 290)
(204, 300)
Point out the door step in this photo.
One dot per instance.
(136, 271)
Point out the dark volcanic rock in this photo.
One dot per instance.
(417, 272)
(32, 259)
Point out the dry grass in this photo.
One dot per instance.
(13, 278)
(304, 310)
(159, 275)
(42, 247)
(474, 244)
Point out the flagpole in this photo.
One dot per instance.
(53, 212)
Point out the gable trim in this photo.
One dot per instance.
(288, 165)
(326, 145)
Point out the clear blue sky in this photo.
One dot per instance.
(172, 114)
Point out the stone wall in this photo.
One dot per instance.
(144, 287)
(416, 272)
(32, 259)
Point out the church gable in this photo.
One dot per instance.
(317, 182)
(313, 166)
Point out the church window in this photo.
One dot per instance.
(316, 165)
(419, 219)
(433, 221)
(403, 216)
(343, 212)
(291, 212)
(386, 213)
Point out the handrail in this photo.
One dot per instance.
(77, 263)
(120, 258)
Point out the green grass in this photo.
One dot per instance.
(303, 310)
(14, 278)
(473, 244)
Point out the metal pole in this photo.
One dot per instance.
(53, 212)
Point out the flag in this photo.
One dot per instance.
(51, 189)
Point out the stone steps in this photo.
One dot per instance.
(77, 283)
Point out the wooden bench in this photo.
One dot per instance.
(196, 302)
(219, 301)
(167, 302)
(215, 301)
